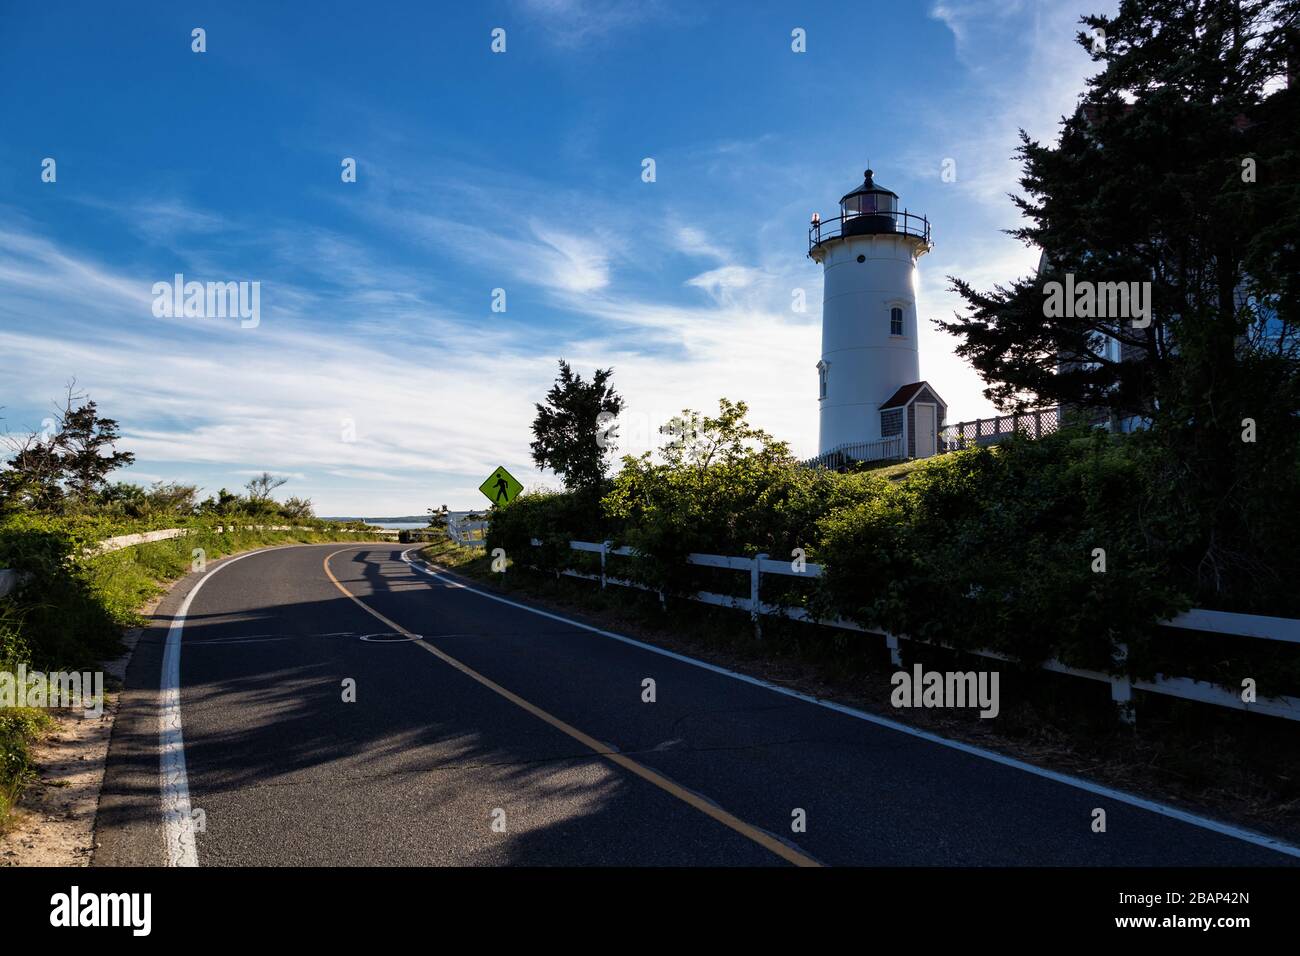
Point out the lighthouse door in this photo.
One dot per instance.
(925, 430)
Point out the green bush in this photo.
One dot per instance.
(743, 507)
(992, 548)
(551, 517)
(55, 618)
(996, 548)
(723, 487)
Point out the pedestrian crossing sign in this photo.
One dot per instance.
(501, 487)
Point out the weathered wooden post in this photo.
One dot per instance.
(895, 656)
(1121, 689)
(755, 607)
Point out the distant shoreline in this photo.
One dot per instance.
(404, 519)
(400, 521)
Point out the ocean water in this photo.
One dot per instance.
(401, 525)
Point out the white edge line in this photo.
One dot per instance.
(178, 819)
(1205, 823)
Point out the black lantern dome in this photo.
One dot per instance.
(868, 210)
(871, 208)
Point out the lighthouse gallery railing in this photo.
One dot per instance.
(882, 222)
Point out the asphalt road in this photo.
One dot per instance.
(502, 736)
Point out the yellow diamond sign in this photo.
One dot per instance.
(501, 487)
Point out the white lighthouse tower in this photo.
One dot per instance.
(873, 402)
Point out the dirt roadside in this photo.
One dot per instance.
(54, 821)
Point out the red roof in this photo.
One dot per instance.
(906, 394)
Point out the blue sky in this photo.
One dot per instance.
(379, 379)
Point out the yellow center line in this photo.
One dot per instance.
(765, 840)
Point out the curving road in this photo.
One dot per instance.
(484, 732)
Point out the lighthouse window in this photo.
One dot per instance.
(895, 321)
(859, 204)
(821, 376)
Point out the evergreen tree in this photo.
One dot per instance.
(573, 430)
(87, 444)
(1180, 167)
(70, 463)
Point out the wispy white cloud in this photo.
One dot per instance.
(693, 241)
(1026, 70)
(281, 397)
(722, 282)
(161, 220)
(975, 23)
(574, 23)
(365, 331)
(33, 265)
(567, 261)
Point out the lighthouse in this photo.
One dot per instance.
(873, 402)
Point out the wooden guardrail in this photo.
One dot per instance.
(468, 534)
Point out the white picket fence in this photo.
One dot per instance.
(11, 579)
(1226, 623)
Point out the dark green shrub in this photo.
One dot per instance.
(997, 548)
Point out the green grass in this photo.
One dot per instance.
(451, 555)
(20, 727)
(897, 471)
(125, 580)
(73, 616)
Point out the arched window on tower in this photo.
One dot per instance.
(895, 321)
(822, 368)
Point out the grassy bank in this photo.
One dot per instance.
(123, 581)
(72, 612)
